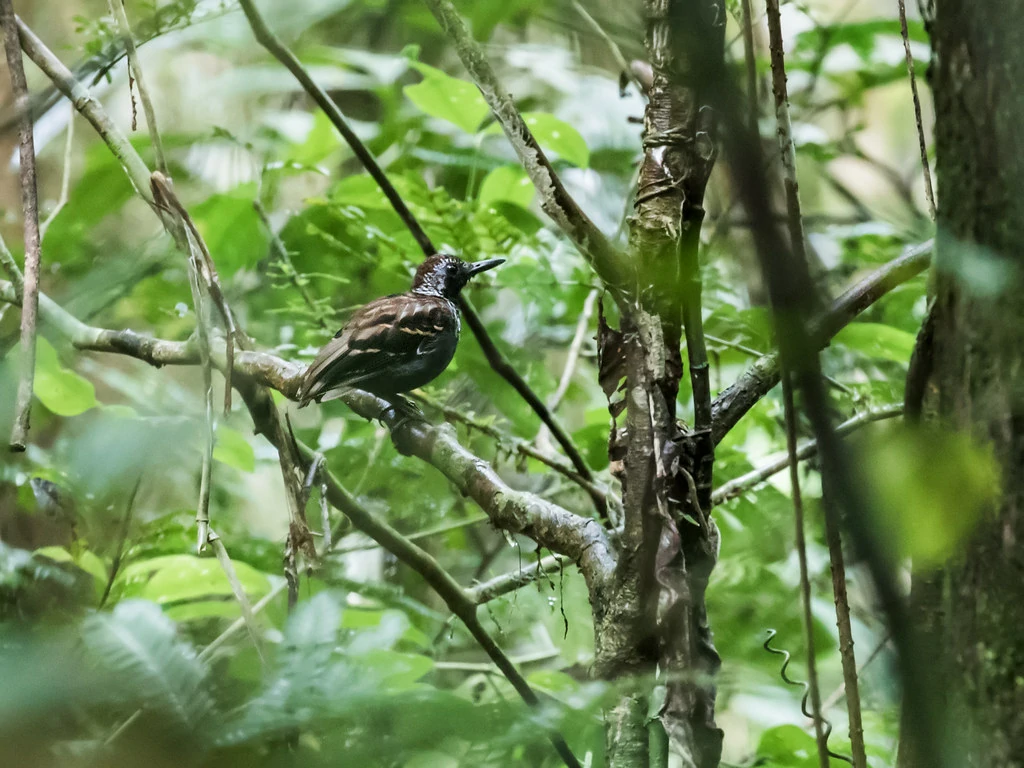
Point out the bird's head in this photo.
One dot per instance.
(445, 275)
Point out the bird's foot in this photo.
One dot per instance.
(399, 412)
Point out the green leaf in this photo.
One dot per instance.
(932, 487)
(878, 340)
(232, 229)
(234, 450)
(554, 135)
(507, 183)
(787, 746)
(62, 391)
(448, 98)
(182, 581)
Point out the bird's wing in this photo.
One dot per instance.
(382, 334)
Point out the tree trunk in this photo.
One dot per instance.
(976, 603)
(650, 618)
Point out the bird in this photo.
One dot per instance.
(396, 343)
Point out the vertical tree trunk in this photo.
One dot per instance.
(977, 601)
(651, 617)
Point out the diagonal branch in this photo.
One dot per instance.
(269, 423)
(730, 406)
(30, 215)
(265, 36)
(556, 202)
(551, 526)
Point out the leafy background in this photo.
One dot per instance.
(369, 666)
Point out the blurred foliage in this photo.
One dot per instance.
(368, 669)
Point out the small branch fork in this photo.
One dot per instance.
(29, 289)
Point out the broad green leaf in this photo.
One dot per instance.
(62, 391)
(787, 746)
(554, 135)
(508, 183)
(232, 229)
(178, 580)
(932, 486)
(878, 340)
(234, 450)
(448, 98)
(397, 671)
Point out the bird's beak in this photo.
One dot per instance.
(482, 266)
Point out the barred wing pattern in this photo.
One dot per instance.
(390, 345)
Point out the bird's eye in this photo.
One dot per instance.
(452, 268)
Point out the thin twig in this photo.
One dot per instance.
(801, 549)
(846, 653)
(573, 355)
(65, 178)
(89, 108)
(554, 199)
(796, 234)
(624, 69)
(117, 10)
(322, 317)
(239, 591)
(240, 622)
(115, 563)
(11, 268)
(598, 493)
(840, 691)
(740, 485)
(925, 167)
(30, 214)
(510, 582)
(763, 375)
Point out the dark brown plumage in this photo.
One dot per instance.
(396, 343)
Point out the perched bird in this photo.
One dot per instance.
(399, 342)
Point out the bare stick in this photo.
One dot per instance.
(555, 200)
(65, 178)
(925, 167)
(743, 483)
(730, 406)
(30, 214)
(846, 654)
(11, 268)
(89, 108)
(510, 582)
(239, 591)
(820, 733)
(796, 236)
(573, 356)
(117, 10)
(613, 47)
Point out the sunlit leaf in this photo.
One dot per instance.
(554, 135)
(878, 340)
(508, 183)
(234, 450)
(448, 98)
(62, 391)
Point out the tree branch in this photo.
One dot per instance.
(497, 360)
(555, 200)
(513, 580)
(742, 484)
(730, 406)
(30, 216)
(551, 526)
